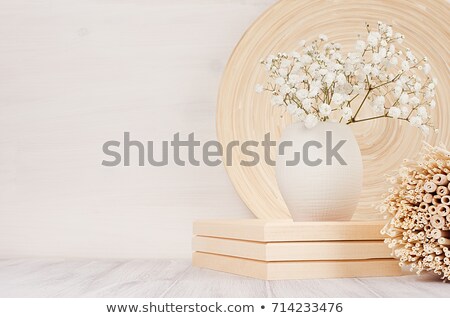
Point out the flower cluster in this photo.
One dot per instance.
(319, 82)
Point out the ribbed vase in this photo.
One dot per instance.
(320, 187)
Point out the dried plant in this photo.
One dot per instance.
(418, 205)
(320, 82)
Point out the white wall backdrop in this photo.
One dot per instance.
(76, 73)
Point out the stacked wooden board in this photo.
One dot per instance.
(283, 249)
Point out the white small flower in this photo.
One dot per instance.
(283, 72)
(405, 111)
(417, 86)
(378, 109)
(305, 59)
(311, 121)
(415, 121)
(341, 79)
(399, 37)
(375, 71)
(389, 31)
(433, 104)
(299, 114)
(360, 45)
(376, 58)
(425, 130)
(259, 88)
(270, 59)
(285, 63)
(347, 113)
(426, 68)
(279, 81)
(292, 108)
(277, 100)
(405, 66)
(410, 56)
(325, 109)
(422, 112)
(323, 37)
(393, 61)
(395, 112)
(367, 69)
(307, 104)
(294, 79)
(373, 38)
(329, 78)
(285, 89)
(398, 91)
(314, 91)
(323, 71)
(392, 48)
(338, 99)
(316, 84)
(295, 54)
(404, 98)
(414, 101)
(302, 94)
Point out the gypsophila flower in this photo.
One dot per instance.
(373, 38)
(302, 94)
(323, 37)
(405, 111)
(292, 108)
(394, 112)
(422, 112)
(416, 121)
(277, 100)
(433, 104)
(259, 88)
(360, 46)
(311, 121)
(347, 113)
(319, 82)
(325, 109)
(405, 66)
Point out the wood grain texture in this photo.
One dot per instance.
(77, 73)
(292, 251)
(244, 115)
(287, 230)
(38, 277)
(280, 270)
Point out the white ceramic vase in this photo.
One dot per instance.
(326, 183)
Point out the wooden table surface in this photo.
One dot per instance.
(36, 277)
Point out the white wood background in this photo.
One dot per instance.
(76, 73)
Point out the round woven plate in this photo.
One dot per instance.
(244, 115)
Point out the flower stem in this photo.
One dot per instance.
(353, 119)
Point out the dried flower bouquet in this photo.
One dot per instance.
(319, 82)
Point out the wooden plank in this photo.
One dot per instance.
(59, 277)
(287, 230)
(292, 251)
(297, 269)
